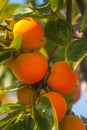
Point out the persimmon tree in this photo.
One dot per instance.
(42, 44)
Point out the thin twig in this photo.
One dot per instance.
(69, 11)
(52, 53)
(39, 87)
(5, 28)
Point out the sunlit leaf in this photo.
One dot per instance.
(9, 117)
(60, 15)
(55, 4)
(6, 107)
(42, 6)
(44, 52)
(44, 115)
(8, 11)
(76, 52)
(33, 14)
(16, 43)
(22, 9)
(22, 124)
(3, 4)
(13, 87)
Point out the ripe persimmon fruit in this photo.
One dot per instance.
(30, 67)
(32, 33)
(58, 102)
(71, 122)
(76, 92)
(62, 78)
(25, 95)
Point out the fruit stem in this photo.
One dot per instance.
(69, 112)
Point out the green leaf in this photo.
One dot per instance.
(3, 4)
(42, 6)
(84, 21)
(24, 123)
(8, 11)
(69, 100)
(59, 32)
(55, 4)
(44, 115)
(7, 107)
(34, 14)
(22, 10)
(75, 11)
(15, 86)
(14, 127)
(76, 52)
(30, 124)
(60, 15)
(9, 117)
(59, 54)
(16, 43)
(5, 55)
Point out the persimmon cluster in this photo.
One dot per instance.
(32, 66)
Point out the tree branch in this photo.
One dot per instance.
(39, 87)
(3, 27)
(52, 53)
(69, 11)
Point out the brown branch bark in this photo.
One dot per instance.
(39, 87)
(69, 11)
(52, 53)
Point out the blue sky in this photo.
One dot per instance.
(80, 108)
(16, 1)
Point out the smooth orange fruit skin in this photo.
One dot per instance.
(32, 33)
(30, 67)
(76, 92)
(62, 78)
(25, 95)
(71, 122)
(58, 102)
